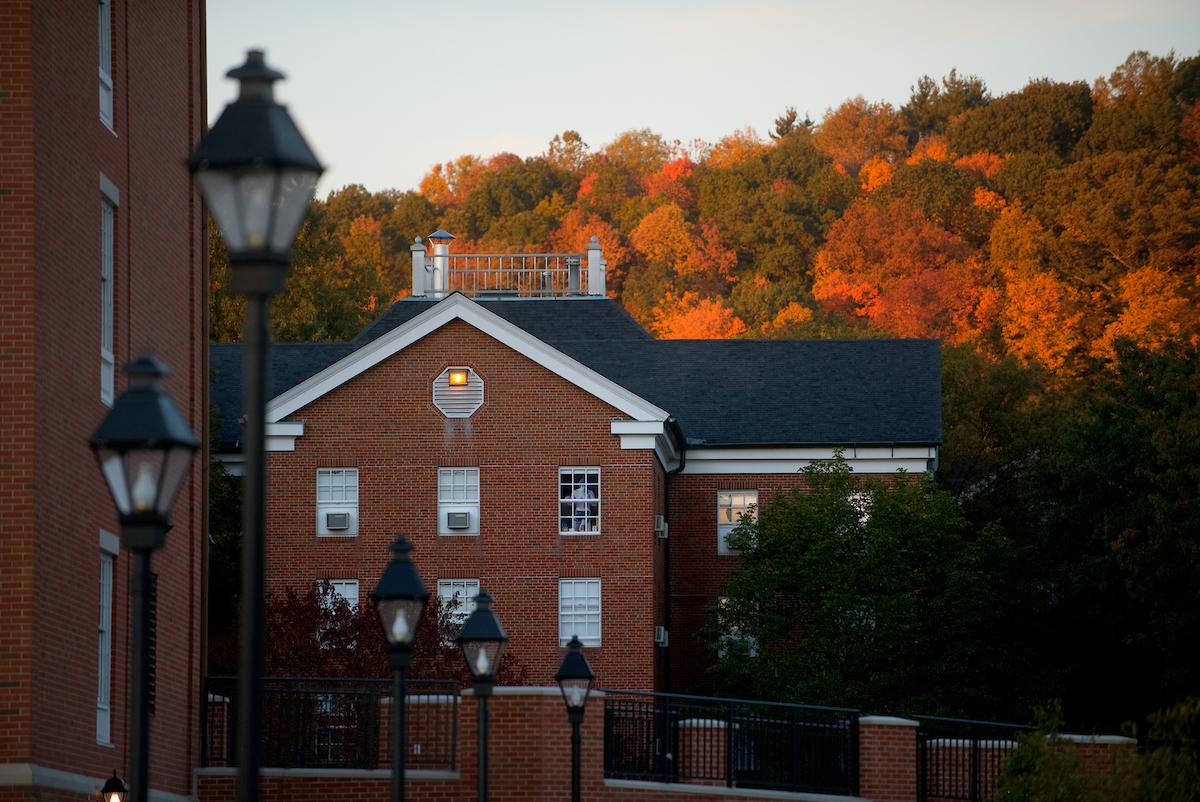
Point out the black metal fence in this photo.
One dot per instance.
(334, 723)
(959, 759)
(731, 742)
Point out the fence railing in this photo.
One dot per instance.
(731, 742)
(960, 759)
(334, 723)
(521, 275)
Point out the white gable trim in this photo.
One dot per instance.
(862, 459)
(637, 435)
(459, 307)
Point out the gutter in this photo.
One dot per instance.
(677, 432)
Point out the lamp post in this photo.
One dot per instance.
(482, 640)
(144, 448)
(400, 599)
(113, 790)
(575, 680)
(257, 175)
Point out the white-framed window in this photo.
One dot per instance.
(579, 501)
(731, 506)
(346, 589)
(104, 26)
(461, 594)
(458, 501)
(108, 221)
(104, 644)
(730, 634)
(337, 502)
(579, 611)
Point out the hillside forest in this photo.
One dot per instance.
(1049, 237)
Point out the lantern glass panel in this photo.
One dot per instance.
(483, 658)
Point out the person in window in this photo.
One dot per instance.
(582, 507)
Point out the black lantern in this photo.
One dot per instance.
(144, 448)
(113, 790)
(400, 599)
(575, 680)
(257, 175)
(482, 640)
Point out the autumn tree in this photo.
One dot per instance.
(690, 317)
(930, 107)
(1135, 107)
(856, 131)
(568, 152)
(1045, 117)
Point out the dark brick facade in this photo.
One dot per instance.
(53, 150)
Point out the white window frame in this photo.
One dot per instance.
(109, 548)
(572, 613)
(458, 491)
(465, 590)
(109, 199)
(575, 507)
(337, 491)
(341, 588)
(105, 40)
(726, 523)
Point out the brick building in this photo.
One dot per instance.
(534, 440)
(102, 257)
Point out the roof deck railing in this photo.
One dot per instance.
(497, 275)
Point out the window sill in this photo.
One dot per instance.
(338, 535)
(573, 533)
(562, 644)
(458, 534)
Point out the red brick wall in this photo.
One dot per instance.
(698, 572)
(55, 148)
(887, 761)
(532, 422)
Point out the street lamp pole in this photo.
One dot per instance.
(257, 175)
(400, 599)
(482, 640)
(575, 679)
(144, 448)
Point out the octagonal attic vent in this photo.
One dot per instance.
(453, 396)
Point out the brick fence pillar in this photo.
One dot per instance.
(887, 759)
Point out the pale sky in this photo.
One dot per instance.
(384, 90)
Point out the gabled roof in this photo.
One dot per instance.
(721, 392)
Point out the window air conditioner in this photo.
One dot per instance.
(337, 520)
(660, 526)
(458, 520)
(660, 636)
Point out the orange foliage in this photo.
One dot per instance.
(450, 183)
(663, 235)
(1157, 311)
(690, 317)
(1189, 128)
(736, 148)
(982, 163)
(794, 312)
(711, 256)
(930, 147)
(671, 182)
(857, 130)
(875, 173)
(986, 199)
(587, 185)
(890, 265)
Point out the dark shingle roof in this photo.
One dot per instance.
(722, 392)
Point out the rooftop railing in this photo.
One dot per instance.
(512, 275)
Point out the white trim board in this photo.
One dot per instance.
(459, 307)
(862, 459)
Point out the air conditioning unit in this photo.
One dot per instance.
(660, 636)
(458, 520)
(660, 526)
(335, 521)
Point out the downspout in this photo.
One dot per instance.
(677, 432)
